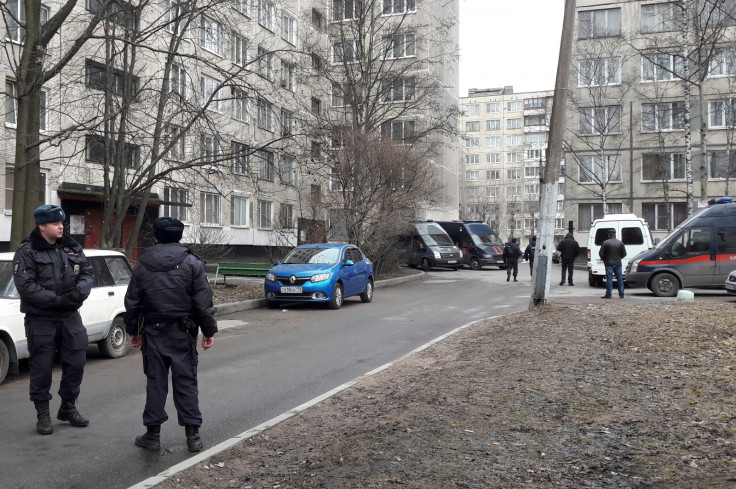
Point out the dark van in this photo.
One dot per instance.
(427, 245)
(700, 253)
(478, 242)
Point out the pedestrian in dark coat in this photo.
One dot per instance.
(569, 249)
(529, 253)
(53, 278)
(611, 252)
(168, 300)
(511, 254)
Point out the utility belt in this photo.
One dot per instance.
(184, 323)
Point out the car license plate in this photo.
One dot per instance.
(730, 286)
(291, 290)
(451, 261)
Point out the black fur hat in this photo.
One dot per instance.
(168, 229)
(48, 213)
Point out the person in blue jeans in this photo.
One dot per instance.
(611, 252)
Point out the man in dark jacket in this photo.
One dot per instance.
(53, 278)
(511, 254)
(168, 299)
(529, 252)
(569, 249)
(611, 252)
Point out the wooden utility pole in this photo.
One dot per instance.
(551, 175)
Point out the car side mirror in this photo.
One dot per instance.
(349, 263)
(277, 262)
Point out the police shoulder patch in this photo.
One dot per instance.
(16, 266)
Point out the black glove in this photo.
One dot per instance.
(71, 301)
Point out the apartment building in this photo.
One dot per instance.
(506, 136)
(219, 104)
(630, 116)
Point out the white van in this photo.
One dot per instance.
(632, 230)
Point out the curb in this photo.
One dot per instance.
(233, 307)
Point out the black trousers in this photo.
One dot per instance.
(513, 266)
(170, 348)
(47, 336)
(567, 265)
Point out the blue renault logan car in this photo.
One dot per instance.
(325, 272)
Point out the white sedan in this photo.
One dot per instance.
(102, 312)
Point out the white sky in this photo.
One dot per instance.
(509, 42)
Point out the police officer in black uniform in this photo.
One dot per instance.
(169, 298)
(53, 278)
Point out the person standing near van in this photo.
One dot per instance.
(569, 249)
(529, 252)
(511, 254)
(611, 252)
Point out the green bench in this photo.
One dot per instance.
(241, 270)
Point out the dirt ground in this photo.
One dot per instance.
(610, 395)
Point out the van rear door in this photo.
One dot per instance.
(725, 253)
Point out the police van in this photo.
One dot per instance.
(699, 253)
(632, 230)
(478, 242)
(425, 244)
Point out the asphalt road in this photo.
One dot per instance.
(264, 362)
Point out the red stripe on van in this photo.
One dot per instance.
(695, 259)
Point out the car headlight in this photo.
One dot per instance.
(635, 265)
(271, 277)
(320, 277)
(437, 255)
(485, 256)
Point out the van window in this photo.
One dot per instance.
(434, 235)
(601, 235)
(726, 241)
(692, 242)
(632, 236)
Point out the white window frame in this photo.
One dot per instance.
(287, 170)
(178, 78)
(493, 174)
(210, 35)
(600, 120)
(242, 6)
(266, 164)
(472, 159)
(660, 17)
(241, 105)
(394, 7)
(210, 88)
(472, 142)
(472, 176)
(472, 109)
(288, 74)
(240, 212)
(265, 214)
(472, 126)
(513, 140)
(240, 158)
(265, 114)
(514, 106)
(176, 194)
(240, 46)
(662, 117)
(493, 141)
(597, 24)
(514, 123)
(286, 215)
(675, 163)
(288, 28)
(599, 72)
(15, 18)
(723, 63)
(266, 14)
(493, 107)
(400, 45)
(11, 104)
(345, 51)
(209, 150)
(176, 12)
(493, 125)
(265, 63)
(493, 157)
(661, 67)
(211, 209)
(594, 167)
(721, 113)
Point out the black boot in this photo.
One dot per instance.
(151, 440)
(68, 412)
(194, 442)
(43, 425)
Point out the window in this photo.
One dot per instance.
(175, 140)
(472, 176)
(345, 51)
(177, 201)
(661, 17)
(493, 125)
(315, 150)
(266, 14)
(265, 114)
(242, 6)
(535, 120)
(534, 154)
(287, 75)
(96, 150)
(288, 29)
(493, 141)
(316, 106)
(265, 164)
(316, 61)
(472, 126)
(661, 67)
(513, 106)
(493, 107)
(513, 140)
(659, 219)
(265, 63)
(97, 74)
(493, 192)
(210, 208)
(720, 165)
(472, 109)
(531, 189)
(11, 104)
(15, 19)
(345, 9)
(286, 216)
(663, 117)
(240, 50)
(210, 96)
(472, 142)
(401, 132)
(287, 122)
(531, 171)
(240, 105)
(534, 103)
(239, 211)
(493, 174)
(10, 184)
(493, 157)
(599, 72)
(177, 16)
(209, 150)
(399, 89)
(472, 159)
(599, 23)
(178, 80)
(722, 63)
(721, 113)
(241, 158)
(513, 174)
(210, 35)
(535, 138)
(336, 181)
(264, 213)
(663, 166)
(514, 191)
(338, 94)
(587, 213)
(398, 6)
(473, 192)
(597, 169)
(288, 170)
(513, 123)
(600, 120)
(318, 21)
(399, 45)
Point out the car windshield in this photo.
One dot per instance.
(328, 256)
(486, 240)
(434, 235)
(7, 285)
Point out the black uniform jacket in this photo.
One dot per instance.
(43, 272)
(568, 248)
(169, 283)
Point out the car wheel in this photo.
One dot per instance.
(337, 297)
(116, 344)
(367, 294)
(474, 264)
(591, 280)
(425, 265)
(4, 361)
(665, 285)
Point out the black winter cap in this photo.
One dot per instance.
(168, 229)
(48, 213)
